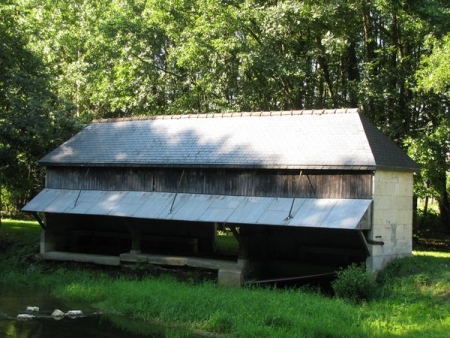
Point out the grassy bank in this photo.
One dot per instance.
(412, 299)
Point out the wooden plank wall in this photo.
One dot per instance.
(274, 183)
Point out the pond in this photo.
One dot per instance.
(14, 301)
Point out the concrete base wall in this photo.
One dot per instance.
(392, 218)
(228, 273)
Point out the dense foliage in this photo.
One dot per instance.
(32, 119)
(109, 58)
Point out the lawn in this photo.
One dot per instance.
(412, 297)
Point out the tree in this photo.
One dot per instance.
(430, 147)
(31, 118)
(135, 57)
(113, 58)
(434, 74)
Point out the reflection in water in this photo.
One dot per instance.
(66, 328)
(14, 301)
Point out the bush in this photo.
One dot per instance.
(354, 283)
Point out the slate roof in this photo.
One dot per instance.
(306, 139)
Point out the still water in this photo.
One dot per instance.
(14, 301)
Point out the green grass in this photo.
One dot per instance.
(227, 244)
(244, 312)
(412, 298)
(18, 239)
(19, 231)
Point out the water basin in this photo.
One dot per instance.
(93, 323)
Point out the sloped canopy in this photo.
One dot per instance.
(318, 139)
(303, 212)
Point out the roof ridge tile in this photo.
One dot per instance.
(230, 114)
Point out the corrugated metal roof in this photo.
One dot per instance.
(306, 212)
(319, 139)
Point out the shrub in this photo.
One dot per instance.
(354, 283)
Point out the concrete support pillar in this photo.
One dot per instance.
(243, 245)
(214, 237)
(48, 242)
(230, 277)
(233, 275)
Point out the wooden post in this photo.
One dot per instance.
(1, 205)
(241, 240)
(135, 238)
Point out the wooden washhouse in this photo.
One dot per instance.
(301, 192)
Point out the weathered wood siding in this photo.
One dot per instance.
(274, 183)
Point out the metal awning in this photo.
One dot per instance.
(305, 212)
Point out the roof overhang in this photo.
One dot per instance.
(238, 166)
(298, 212)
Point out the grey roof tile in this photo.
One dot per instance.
(321, 139)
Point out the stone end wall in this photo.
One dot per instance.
(392, 218)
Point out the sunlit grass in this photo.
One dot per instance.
(227, 243)
(432, 254)
(245, 312)
(14, 229)
(413, 297)
(20, 224)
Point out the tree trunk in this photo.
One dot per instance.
(444, 209)
(425, 212)
(352, 73)
(1, 205)
(321, 59)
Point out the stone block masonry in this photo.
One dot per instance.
(392, 218)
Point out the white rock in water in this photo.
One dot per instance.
(74, 313)
(58, 313)
(32, 308)
(25, 317)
